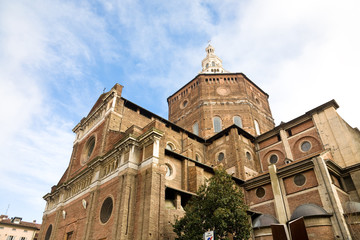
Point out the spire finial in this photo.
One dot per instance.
(212, 63)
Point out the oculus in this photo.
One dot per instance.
(221, 156)
(305, 146)
(260, 192)
(106, 210)
(299, 180)
(273, 159)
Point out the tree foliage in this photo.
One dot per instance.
(218, 206)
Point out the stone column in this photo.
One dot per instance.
(91, 209)
(278, 199)
(330, 199)
(124, 210)
(284, 139)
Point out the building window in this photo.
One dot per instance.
(23, 238)
(69, 235)
(221, 156)
(217, 124)
(10, 237)
(106, 210)
(305, 146)
(213, 64)
(90, 147)
(248, 155)
(197, 158)
(169, 170)
(170, 147)
(260, 192)
(257, 127)
(195, 128)
(299, 180)
(273, 159)
(48, 232)
(185, 103)
(237, 121)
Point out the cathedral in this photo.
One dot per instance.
(132, 172)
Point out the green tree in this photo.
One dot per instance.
(219, 206)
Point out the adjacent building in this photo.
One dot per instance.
(16, 229)
(132, 172)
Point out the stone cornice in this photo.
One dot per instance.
(218, 74)
(296, 121)
(284, 171)
(150, 135)
(198, 164)
(125, 143)
(334, 167)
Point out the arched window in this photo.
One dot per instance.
(207, 65)
(217, 124)
(170, 146)
(237, 121)
(213, 64)
(195, 128)
(257, 127)
(48, 232)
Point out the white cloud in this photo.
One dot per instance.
(46, 50)
(303, 53)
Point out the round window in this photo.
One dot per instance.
(221, 156)
(305, 146)
(106, 210)
(273, 159)
(299, 179)
(48, 232)
(168, 170)
(248, 155)
(90, 147)
(185, 103)
(260, 192)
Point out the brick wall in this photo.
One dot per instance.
(310, 182)
(307, 197)
(221, 95)
(252, 199)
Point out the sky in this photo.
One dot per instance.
(57, 57)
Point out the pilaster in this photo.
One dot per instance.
(278, 198)
(286, 144)
(330, 199)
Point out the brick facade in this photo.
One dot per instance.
(150, 167)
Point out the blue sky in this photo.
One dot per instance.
(56, 58)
